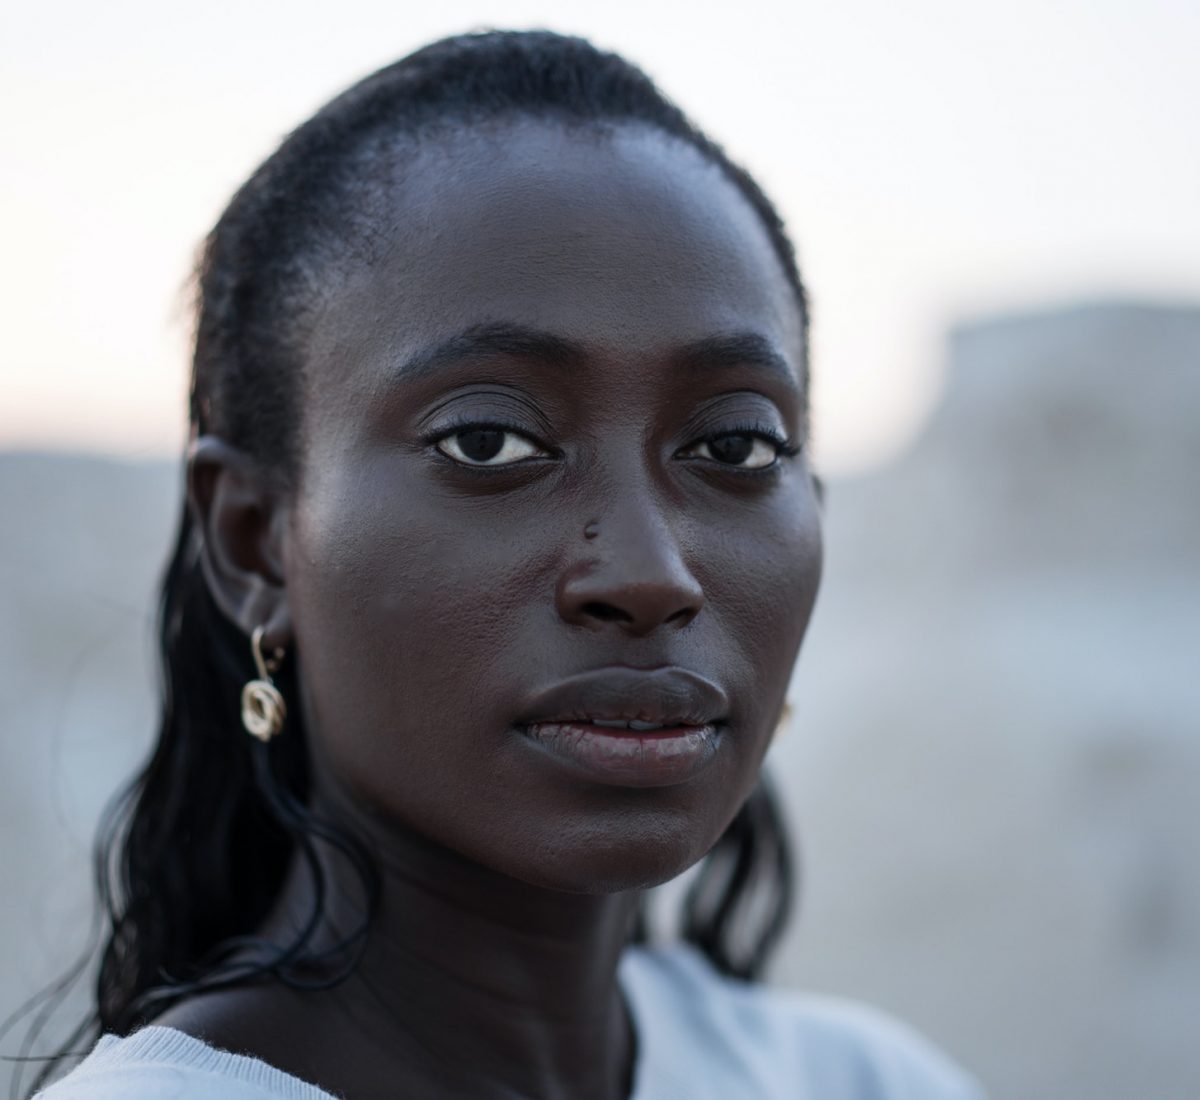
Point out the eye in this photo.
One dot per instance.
(744, 450)
(487, 445)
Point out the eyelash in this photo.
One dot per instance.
(784, 447)
(467, 423)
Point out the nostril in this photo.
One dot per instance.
(606, 612)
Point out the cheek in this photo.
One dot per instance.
(398, 616)
(421, 621)
(761, 578)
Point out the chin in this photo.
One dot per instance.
(635, 852)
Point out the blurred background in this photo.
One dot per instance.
(994, 762)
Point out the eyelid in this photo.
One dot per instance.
(467, 422)
(769, 433)
(492, 404)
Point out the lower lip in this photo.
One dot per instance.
(628, 758)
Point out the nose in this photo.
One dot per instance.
(634, 575)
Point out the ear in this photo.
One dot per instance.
(241, 514)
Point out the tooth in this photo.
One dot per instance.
(641, 726)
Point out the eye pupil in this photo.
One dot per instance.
(733, 449)
(480, 444)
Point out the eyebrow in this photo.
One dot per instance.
(489, 340)
(737, 349)
(721, 351)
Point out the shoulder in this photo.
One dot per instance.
(789, 1045)
(160, 1062)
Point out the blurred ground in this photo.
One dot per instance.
(994, 761)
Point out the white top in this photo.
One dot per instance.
(701, 1036)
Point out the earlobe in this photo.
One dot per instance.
(239, 510)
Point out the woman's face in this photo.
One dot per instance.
(538, 496)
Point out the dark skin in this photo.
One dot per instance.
(612, 304)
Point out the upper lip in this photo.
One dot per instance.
(665, 696)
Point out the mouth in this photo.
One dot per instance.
(633, 725)
(629, 727)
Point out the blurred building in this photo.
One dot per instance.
(995, 757)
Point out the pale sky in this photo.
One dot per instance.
(934, 160)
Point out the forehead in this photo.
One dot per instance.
(625, 241)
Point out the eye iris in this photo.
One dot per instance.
(733, 449)
(480, 444)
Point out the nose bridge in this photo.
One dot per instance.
(632, 569)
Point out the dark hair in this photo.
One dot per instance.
(191, 854)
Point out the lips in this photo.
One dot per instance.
(629, 727)
(662, 697)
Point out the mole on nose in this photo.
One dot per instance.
(591, 530)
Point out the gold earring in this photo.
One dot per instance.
(263, 709)
(785, 720)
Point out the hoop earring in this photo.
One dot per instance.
(263, 709)
(785, 721)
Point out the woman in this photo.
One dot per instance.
(500, 544)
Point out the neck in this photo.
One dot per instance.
(495, 985)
